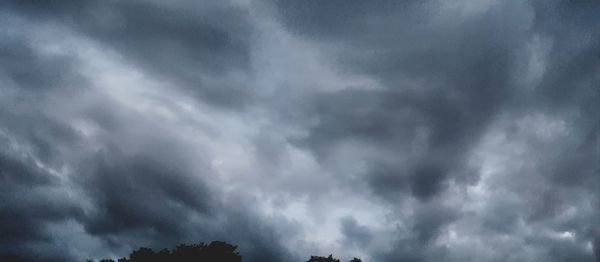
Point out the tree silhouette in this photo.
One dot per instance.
(329, 259)
(323, 259)
(216, 251)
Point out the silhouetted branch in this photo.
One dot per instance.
(216, 251)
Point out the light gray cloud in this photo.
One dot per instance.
(393, 131)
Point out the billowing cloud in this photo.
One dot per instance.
(390, 131)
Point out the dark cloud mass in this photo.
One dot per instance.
(391, 130)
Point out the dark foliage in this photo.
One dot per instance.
(323, 259)
(329, 259)
(216, 251)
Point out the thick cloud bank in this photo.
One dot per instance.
(391, 130)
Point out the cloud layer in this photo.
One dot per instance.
(393, 131)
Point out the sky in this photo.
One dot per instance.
(393, 131)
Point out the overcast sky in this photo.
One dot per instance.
(394, 131)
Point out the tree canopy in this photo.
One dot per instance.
(216, 251)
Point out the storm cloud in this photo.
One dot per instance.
(391, 130)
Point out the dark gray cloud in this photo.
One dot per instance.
(355, 234)
(448, 73)
(30, 201)
(198, 47)
(393, 131)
